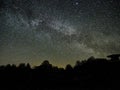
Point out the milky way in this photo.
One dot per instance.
(61, 31)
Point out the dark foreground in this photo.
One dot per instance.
(97, 74)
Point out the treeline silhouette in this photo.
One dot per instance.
(93, 72)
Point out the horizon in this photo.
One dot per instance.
(108, 58)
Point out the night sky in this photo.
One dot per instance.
(61, 31)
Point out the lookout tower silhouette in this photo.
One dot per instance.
(114, 57)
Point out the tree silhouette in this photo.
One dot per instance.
(99, 72)
(68, 67)
(114, 57)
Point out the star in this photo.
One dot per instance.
(76, 3)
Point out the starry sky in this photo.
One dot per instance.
(61, 31)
